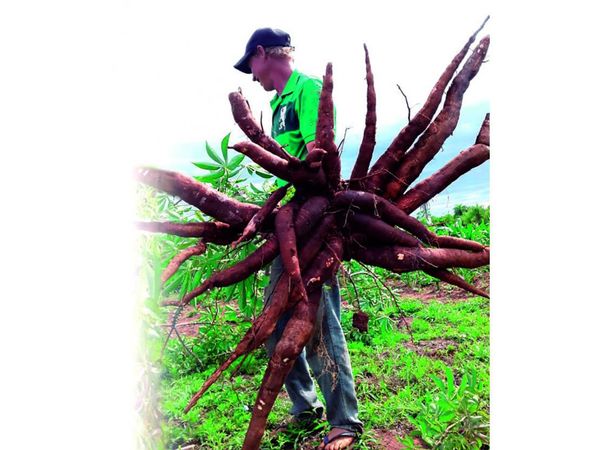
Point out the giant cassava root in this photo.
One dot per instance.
(328, 220)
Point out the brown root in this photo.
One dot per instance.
(205, 198)
(286, 235)
(326, 222)
(367, 145)
(307, 217)
(325, 138)
(440, 129)
(262, 256)
(294, 337)
(248, 124)
(264, 325)
(484, 133)
(380, 231)
(451, 278)
(257, 220)
(278, 166)
(425, 190)
(373, 204)
(216, 232)
(388, 162)
(407, 259)
(175, 263)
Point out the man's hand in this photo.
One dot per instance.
(314, 157)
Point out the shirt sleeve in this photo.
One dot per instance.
(309, 109)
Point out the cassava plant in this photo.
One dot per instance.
(329, 220)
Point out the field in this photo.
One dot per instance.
(421, 370)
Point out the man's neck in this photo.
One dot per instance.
(281, 77)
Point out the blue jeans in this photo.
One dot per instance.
(327, 355)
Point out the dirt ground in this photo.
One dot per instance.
(190, 319)
(443, 292)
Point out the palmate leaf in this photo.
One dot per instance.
(206, 166)
(224, 145)
(235, 162)
(197, 279)
(212, 154)
(235, 172)
(212, 176)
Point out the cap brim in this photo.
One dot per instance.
(243, 64)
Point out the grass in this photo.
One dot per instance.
(393, 375)
(433, 385)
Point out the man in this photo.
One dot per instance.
(268, 58)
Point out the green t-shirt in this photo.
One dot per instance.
(295, 114)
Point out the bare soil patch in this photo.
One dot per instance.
(442, 349)
(188, 322)
(389, 440)
(442, 292)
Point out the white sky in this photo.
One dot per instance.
(182, 58)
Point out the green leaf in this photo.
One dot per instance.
(255, 189)
(206, 166)
(447, 416)
(211, 153)
(184, 286)
(235, 161)
(463, 384)
(212, 177)
(224, 144)
(450, 377)
(243, 301)
(439, 383)
(263, 174)
(197, 279)
(234, 172)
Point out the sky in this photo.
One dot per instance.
(89, 89)
(184, 57)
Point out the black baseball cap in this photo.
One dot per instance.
(267, 37)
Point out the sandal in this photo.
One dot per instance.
(345, 433)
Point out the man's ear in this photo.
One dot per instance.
(260, 51)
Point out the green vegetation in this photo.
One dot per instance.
(431, 383)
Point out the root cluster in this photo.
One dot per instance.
(329, 220)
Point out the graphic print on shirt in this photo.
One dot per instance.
(285, 119)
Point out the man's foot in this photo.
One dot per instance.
(339, 438)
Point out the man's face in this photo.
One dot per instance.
(260, 65)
